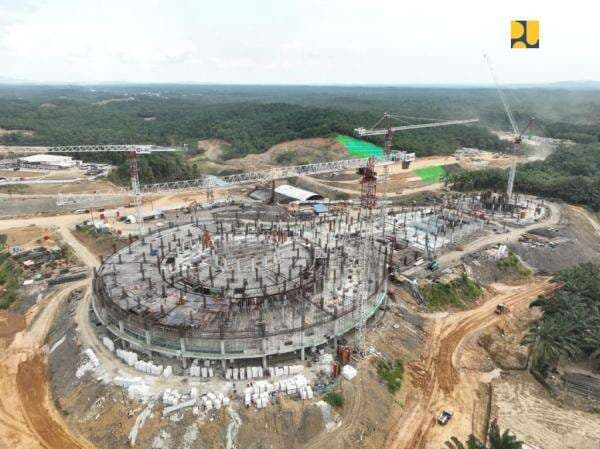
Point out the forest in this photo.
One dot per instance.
(570, 324)
(254, 118)
(571, 173)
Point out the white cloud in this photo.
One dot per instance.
(293, 41)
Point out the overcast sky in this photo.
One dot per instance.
(295, 42)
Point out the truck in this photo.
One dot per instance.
(444, 417)
(500, 309)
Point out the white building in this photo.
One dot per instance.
(292, 193)
(48, 161)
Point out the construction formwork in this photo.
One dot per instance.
(433, 228)
(234, 289)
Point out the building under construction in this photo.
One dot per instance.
(227, 288)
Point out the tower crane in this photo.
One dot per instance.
(385, 127)
(132, 155)
(518, 135)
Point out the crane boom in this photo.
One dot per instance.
(138, 149)
(518, 134)
(378, 132)
(509, 113)
(226, 182)
(132, 151)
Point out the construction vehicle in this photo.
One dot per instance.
(501, 309)
(444, 417)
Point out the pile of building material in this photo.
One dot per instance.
(250, 372)
(92, 363)
(135, 386)
(128, 357)
(259, 392)
(286, 370)
(204, 371)
(148, 367)
(175, 400)
(110, 345)
(349, 372)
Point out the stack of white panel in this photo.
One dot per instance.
(108, 343)
(287, 370)
(127, 356)
(171, 397)
(148, 367)
(139, 391)
(92, 356)
(168, 371)
(228, 373)
(195, 371)
(309, 392)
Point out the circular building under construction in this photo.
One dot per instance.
(227, 289)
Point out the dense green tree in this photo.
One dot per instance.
(570, 324)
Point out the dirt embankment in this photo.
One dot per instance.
(442, 381)
(294, 152)
(28, 419)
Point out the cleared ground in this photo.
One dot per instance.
(522, 405)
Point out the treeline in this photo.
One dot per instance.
(571, 173)
(570, 324)
(248, 127)
(254, 118)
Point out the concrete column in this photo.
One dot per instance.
(148, 339)
(335, 335)
(264, 349)
(121, 327)
(223, 361)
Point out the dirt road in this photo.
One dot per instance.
(28, 419)
(443, 385)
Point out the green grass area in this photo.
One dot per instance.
(430, 175)
(512, 265)
(392, 374)
(9, 277)
(359, 148)
(458, 293)
(334, 399)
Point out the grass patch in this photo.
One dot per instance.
(359, 148)
(458, 293)
(334, 399)
(10, 274)
(392, 374)
(431, 175)
(513, 266)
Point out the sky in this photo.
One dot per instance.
(295, 42)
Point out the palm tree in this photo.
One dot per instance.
(552, 339)
(472, 443)
(496, 440)
(504, 440)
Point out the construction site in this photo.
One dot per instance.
(230, 311)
